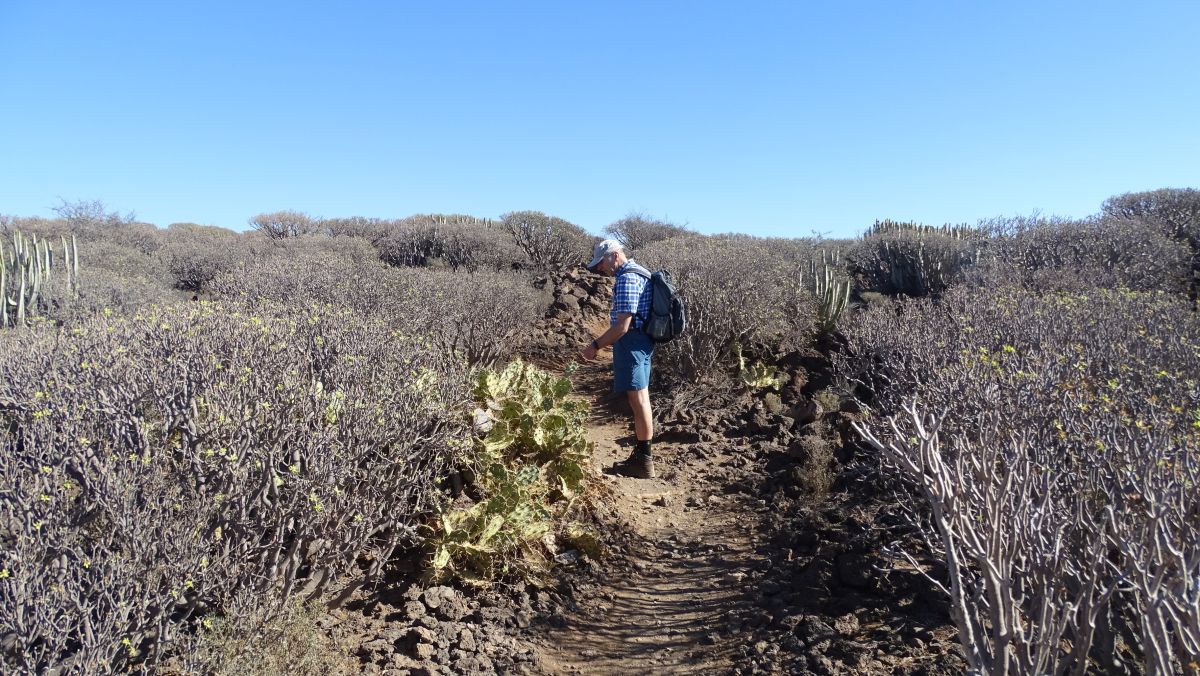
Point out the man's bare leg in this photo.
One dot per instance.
(643, 418)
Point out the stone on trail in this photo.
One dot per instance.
(413, 609)
(846, 625)
(445, 602)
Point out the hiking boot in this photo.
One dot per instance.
(638, 466)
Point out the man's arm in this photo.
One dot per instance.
(612, 335)
(614, 332)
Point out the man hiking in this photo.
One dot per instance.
(632, 349)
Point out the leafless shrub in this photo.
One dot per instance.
(550, 242)
(33, 225)
(284, 224)
(352, 250)
(122, 260)
(1159, 545)
(156, 466)
(479, 316)
(637, 231)
(804, 253)
(737, 292)
(100, 291)
(351, 226)
(142, 237)
(89, 218)
(1054, 417)
(91, 222)
(299, 277)
(457, 242)
(1175, 211)
(196, 255)
(1060, 254)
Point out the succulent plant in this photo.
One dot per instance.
(832, 295)
(27, 263)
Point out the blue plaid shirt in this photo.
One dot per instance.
(633, 294)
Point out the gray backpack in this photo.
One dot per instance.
(668, 317)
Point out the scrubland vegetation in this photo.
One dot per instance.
(201, 427)
(1041, 389)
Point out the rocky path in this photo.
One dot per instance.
(669, 603)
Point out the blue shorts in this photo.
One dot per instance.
(631, 361)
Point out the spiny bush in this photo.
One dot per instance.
(156, 465)
(550, 242)
(457, 242)
(529, 464)
(1060, 254)
(636, 231)
(913, 259)
(1055, 449)
(739, 295)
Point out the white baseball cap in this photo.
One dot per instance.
(602, 249)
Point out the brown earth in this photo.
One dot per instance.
(670, 598)
(723, 565)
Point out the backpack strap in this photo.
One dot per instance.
(632, 267)
(638, 270)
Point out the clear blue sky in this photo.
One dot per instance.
(775, 118)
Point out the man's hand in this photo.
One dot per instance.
(609, 337)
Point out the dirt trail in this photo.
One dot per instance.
(669, 603)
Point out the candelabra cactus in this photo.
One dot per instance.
(26, 265)
(914, 259)
(890, 227)
(832, 295)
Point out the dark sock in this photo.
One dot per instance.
(643, 447)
